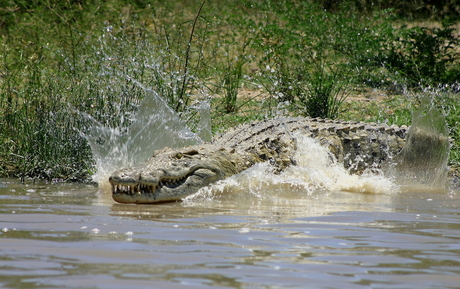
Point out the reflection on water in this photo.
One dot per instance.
(71, 236)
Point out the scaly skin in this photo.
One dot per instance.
(172, 174)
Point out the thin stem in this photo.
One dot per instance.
(187, 57)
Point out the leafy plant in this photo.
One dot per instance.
(324, 91)
(424, 55)
(231, 81)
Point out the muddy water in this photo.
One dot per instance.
(72, 236)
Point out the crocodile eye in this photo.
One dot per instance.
(178, 156)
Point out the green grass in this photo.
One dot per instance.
(295, 56)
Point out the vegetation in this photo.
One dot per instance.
(251, 59)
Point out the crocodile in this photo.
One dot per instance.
(173, 174)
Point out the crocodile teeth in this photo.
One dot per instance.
(172, 183)
(132, 190)
(146, 189)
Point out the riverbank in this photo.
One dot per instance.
(248, 60)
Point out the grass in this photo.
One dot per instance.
(251, 59)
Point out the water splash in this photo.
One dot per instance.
(315, 172)
(155, 126)
(422, 163)
(204, 125)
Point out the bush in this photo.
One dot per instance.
(423, 55)
(325, 90)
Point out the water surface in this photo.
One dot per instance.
(72, 236)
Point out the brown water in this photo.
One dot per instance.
(71, 236)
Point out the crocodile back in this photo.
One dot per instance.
(357, 145)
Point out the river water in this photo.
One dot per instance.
(60, 235)
(312, 226)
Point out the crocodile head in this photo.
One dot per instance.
(171, 175)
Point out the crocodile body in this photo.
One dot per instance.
(172, 174)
